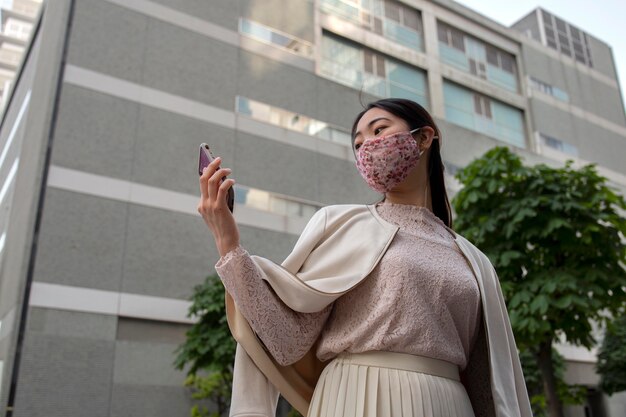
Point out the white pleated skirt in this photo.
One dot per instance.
(389, 384)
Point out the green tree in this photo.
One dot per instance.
(612, 357)
(555, 238)
(209, 350)
(568, 394)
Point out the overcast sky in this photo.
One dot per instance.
(604, 19)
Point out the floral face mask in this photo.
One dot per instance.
(386, 161)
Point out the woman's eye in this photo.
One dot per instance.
(378, 130)
(357, 146)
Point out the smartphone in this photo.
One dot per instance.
(206, 157)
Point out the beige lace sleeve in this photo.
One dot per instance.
(287, 334)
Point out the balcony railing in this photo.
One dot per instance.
(274, 203)
(275, 38)
(293, 121)
(10, 57)
(486, 71)
(383, 26)
(370, 83)
(490, 127)
(27, 8)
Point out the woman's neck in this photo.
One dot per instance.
(419, 197)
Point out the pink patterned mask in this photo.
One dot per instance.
(386, 161)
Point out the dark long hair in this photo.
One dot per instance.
(416, 116)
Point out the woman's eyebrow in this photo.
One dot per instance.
(371, 123)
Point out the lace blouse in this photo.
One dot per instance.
(422, 298)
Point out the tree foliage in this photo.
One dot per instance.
(555, 237)
(612, 358)
(569, 394)
(209, 350)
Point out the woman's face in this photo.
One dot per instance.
(377, 122)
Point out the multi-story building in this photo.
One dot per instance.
(100, 241)
(16, 23)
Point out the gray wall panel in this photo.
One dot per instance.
(594, 96)
(584, 91)
(151, 331)
(529, 23)
(166, 152)
(222, 12)
(338, 104)
(142, 401)
(205, 74)
(64, 377)
(460, 145)
(340, 182)
(95, 133)
(166, 253)
(273, 166)
(543, 67)
(153, 53)
(544, 117)
(138, 363)
(71, 324)
(602, 57)
(81, 241)
(271, 245)
(122, 54)
(594, 143)
(278, 84)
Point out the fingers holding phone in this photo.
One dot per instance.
(205, 160)
(218, 186)
(216, 202)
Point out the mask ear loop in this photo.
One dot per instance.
(412, 132)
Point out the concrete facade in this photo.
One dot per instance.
(101, 241)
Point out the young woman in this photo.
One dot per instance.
(380, 310)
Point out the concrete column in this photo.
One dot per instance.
(435, 80)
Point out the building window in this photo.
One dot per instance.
(292, 121)
(451, 37)
(500, 59)
(274, 203)
(374, 63)
(363, 69)
(7, 188)
(482, 106)
(558, 144)
(275, 37)
(476, 57)
(403, 24)
(546, 88)
(2, 240)
(565, 38)
(388, 18)
(483, 114)
(17, 29)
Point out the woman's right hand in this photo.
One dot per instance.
(214, 209)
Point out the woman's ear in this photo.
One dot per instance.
(425, 137)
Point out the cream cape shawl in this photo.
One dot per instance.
(338, 248)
